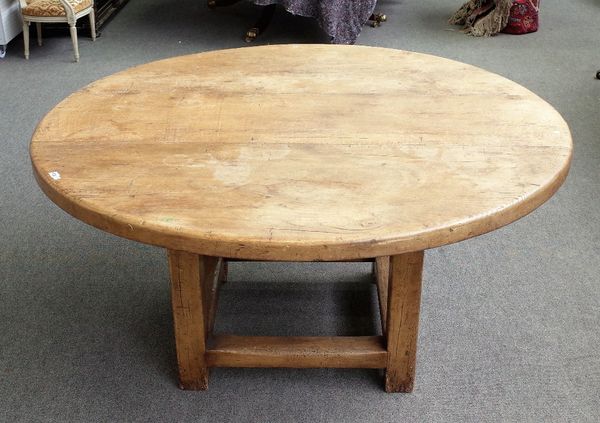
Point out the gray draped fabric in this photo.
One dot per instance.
(340, 19)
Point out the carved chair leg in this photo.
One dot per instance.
(93, 25)
(377, 19)
(263, 22)
(26, 39)
(38, 27)
(73, 31)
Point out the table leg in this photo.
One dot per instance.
(404, 299)
(382, 275)
(187, 270)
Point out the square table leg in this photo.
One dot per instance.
(189, 315)
(382, 276)
(403, 303)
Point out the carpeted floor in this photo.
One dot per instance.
(510, 321)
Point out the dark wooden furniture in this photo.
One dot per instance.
(105, 9)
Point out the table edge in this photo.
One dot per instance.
(127, 227)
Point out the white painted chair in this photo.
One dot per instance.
(69, 11)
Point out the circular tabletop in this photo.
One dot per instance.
(301, 152)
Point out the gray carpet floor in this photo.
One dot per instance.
(510, 321)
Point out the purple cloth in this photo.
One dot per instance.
(340, 19)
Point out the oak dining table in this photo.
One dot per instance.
(300, 153)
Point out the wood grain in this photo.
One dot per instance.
(189, 318)
(328, 153)
(404, 300)
(297, 352)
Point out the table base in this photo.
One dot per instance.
(195, 281)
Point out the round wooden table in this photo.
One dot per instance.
(300, 153)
